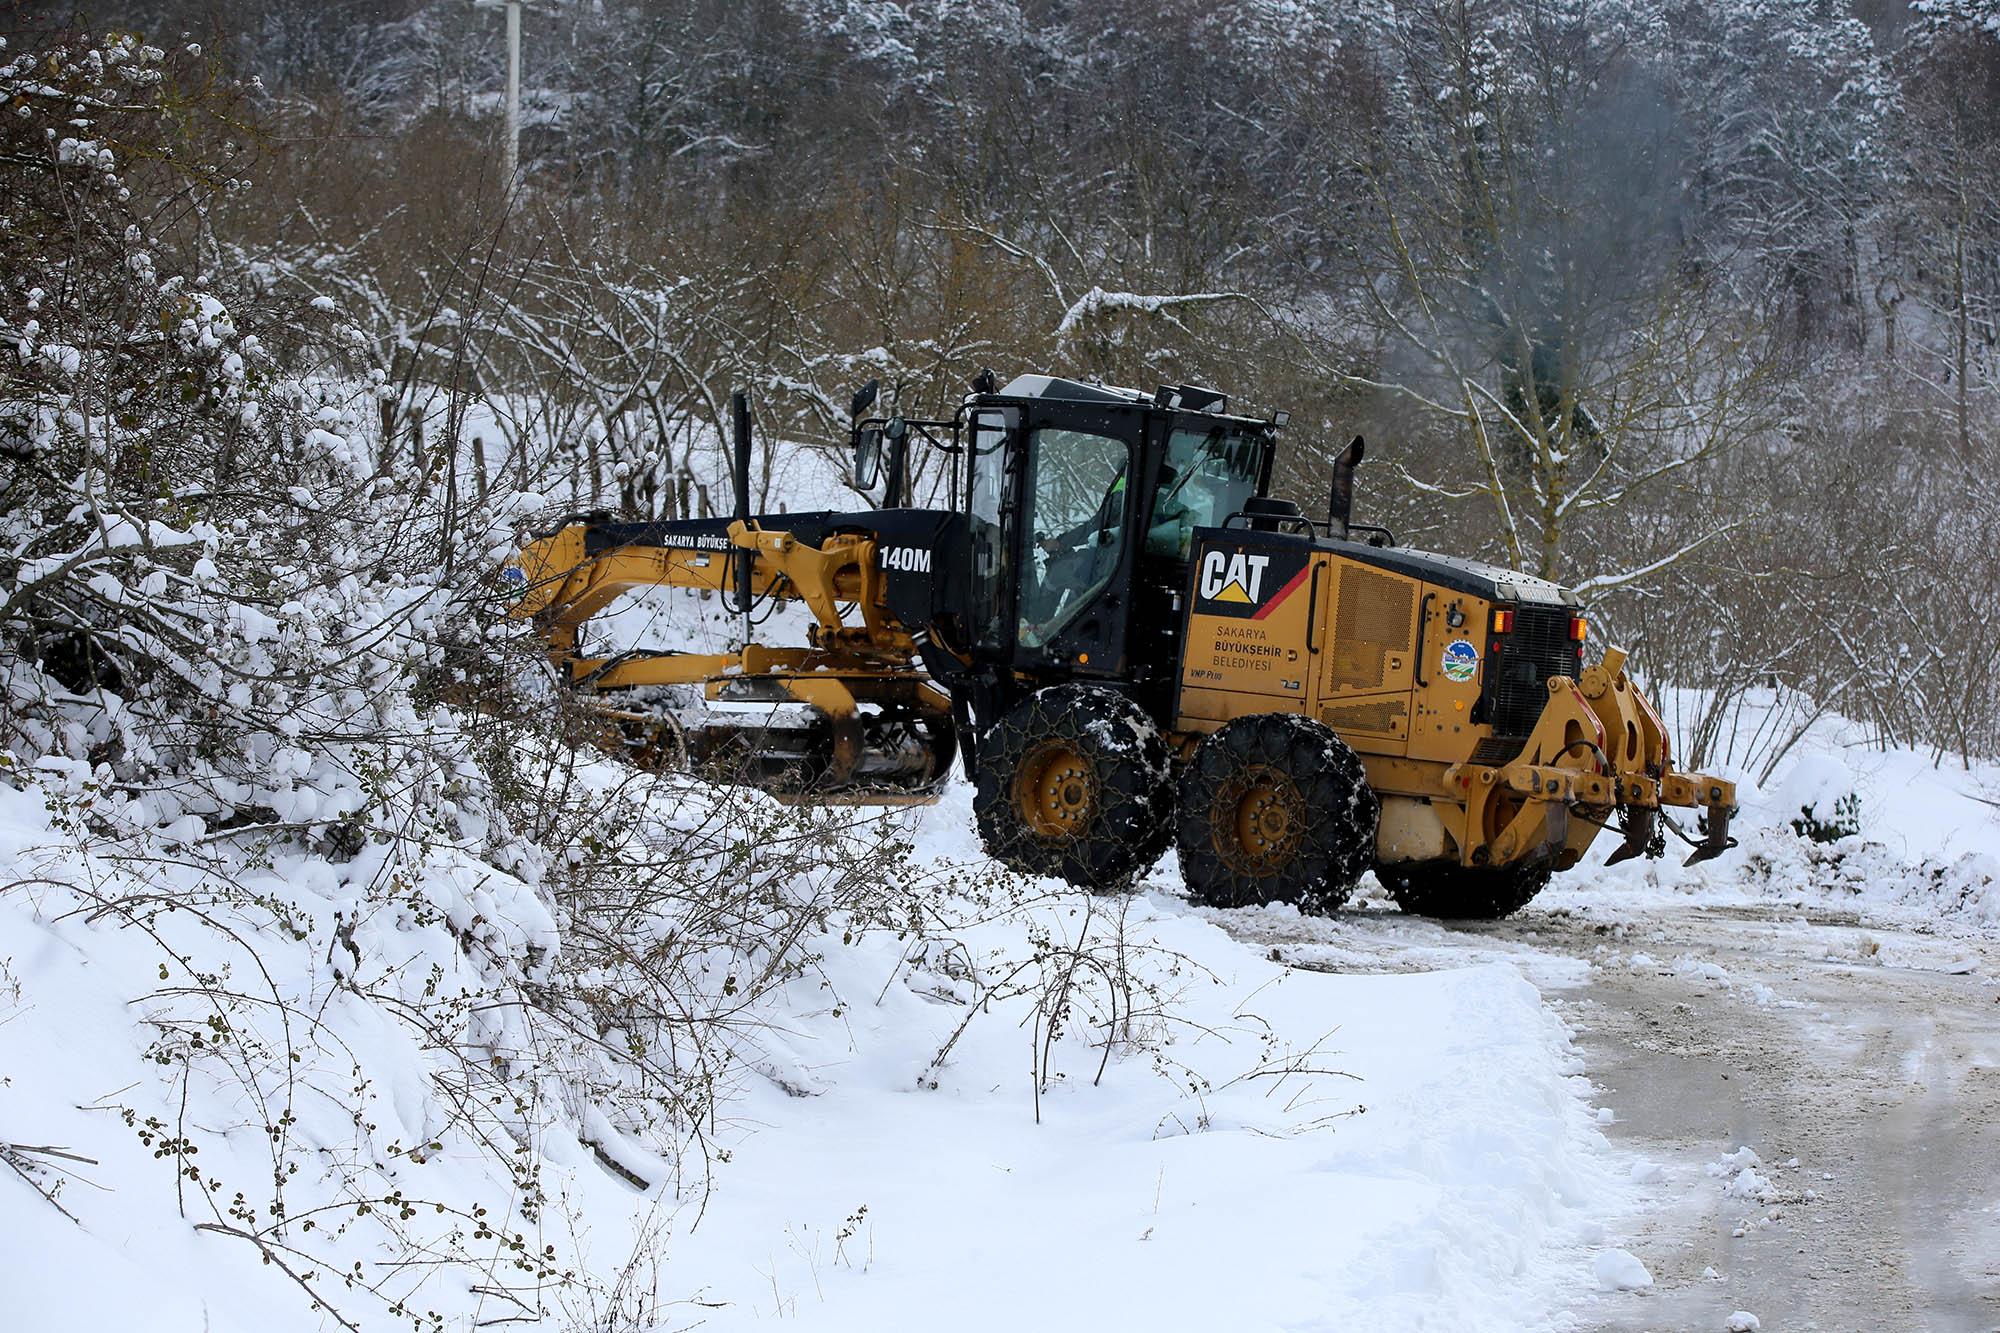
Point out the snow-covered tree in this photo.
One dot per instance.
(1529, 276)
(209, 594)
(1943, 236)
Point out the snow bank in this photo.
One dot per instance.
(253, 1077)
(289, 1070)
(1927, 851)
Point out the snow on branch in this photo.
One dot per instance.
(1097, 301)
(1607, 581)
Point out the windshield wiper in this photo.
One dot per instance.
(1215, 436)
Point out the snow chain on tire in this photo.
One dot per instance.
(1075, 783)
(1275, 808)
(1464, 893)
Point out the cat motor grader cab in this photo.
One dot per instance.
(1130, 644)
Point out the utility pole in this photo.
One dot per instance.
(513, 177)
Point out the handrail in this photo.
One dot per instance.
(1423, 623)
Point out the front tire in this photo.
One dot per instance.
(1454, 892)
(1074, 783)
(1275, 808)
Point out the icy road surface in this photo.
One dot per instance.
(1858, 1062)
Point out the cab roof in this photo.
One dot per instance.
(1054, 388)
(1074, 391)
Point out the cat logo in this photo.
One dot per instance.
(1246, 582)
(1233, 578)
(908, 559)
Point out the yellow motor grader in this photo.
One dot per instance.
(1128, 643)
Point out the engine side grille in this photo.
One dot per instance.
(1496, 751)
(1539, 647)
(1388, 717)
(1373, 621)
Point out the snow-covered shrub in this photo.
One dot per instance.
(1821, 788)
(211, 593)
(397, 943)
(1841, 820)
(166, 488)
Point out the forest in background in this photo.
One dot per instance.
(1691, 305)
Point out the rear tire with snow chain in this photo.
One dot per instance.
(1275, 808)
(1454, 892)
(1075, 783)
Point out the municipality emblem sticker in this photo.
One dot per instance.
(1460, 661)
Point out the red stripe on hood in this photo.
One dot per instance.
(1284, 592)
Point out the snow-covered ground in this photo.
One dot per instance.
(1259, 1146)
(1276, 1148)
(1041, 1109)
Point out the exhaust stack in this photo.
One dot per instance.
(1340, 509)
(739, 407)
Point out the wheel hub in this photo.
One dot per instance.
(1055, 791)
(1260, 818)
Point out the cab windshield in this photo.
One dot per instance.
(1210, 472)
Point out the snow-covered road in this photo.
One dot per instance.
(1858, 1060)
(1874, 1064)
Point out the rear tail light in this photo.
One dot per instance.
(1503, 621)
(1578, 627)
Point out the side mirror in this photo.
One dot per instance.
(867, 458)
